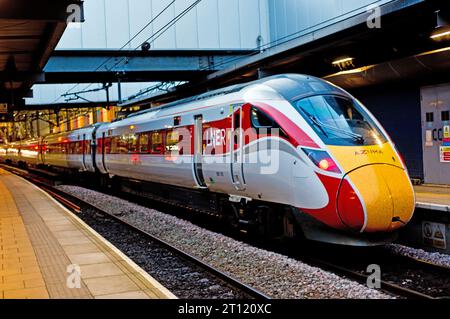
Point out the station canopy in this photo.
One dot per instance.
(29, 32)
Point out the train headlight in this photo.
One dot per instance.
(324, 164)
(322, 160)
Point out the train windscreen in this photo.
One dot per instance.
(339, 121)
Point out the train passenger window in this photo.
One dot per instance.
(114, 148)
(122, 145)
(172, 139)
(133, 144)
(430, 117)
(87, 148)
(445, 116)
(107, 146)
(143, 143)
(79, 147)
(157, 143)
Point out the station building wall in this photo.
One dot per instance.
(398, 109)
(109, 24)
(288, 17)
(213, 24)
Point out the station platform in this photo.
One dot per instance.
(46, 252)
(433, 197)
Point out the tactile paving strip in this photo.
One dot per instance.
(60, 239)
(50, 255)
(20, 275)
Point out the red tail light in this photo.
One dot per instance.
(322, 160)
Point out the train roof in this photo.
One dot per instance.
(290, 86)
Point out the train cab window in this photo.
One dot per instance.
(172, 139)
(340, 120)
(157, 143)
(143, 143)
(260, 121)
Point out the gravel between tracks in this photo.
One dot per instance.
(276, 275)
(435, 258)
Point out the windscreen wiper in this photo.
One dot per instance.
(314, 120)
(359, 138)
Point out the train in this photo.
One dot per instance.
(289, 155)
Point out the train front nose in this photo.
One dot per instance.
(376, 198)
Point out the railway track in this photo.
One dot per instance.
(360, 276)
(401, 276)
(398, 272)
(77, 205)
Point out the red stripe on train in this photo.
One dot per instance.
(297, 135)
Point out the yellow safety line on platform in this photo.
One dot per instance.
(20, 276)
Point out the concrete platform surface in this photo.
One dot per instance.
(47, 252)
(433, 197)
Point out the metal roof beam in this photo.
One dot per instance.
(44, 10)
(69, 66)
(64, 106)
(291, 46)
(22, 76)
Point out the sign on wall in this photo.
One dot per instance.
(3, 108)
(445, 154)
(434, 235)
(446, 139)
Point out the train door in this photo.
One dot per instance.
(436, 134)
(198, 151)
(237, 149)
(103, 151)
(84, 151)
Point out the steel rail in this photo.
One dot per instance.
(386, 286)
(68, 201)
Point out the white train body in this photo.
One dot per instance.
(289, 140)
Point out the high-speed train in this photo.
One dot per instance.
(286, 155)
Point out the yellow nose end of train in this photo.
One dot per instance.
(387, 195)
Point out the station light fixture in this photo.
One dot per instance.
(442, 30)
(441, 34)
(343, 63)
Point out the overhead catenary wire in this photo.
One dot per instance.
(287, 38)
(154, 36)
(123, 46)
